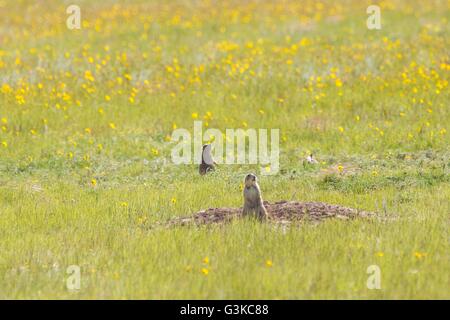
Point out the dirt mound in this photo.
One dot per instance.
(283, 212)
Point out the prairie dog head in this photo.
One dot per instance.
(250, 180)
(206, 154)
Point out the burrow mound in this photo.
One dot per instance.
(284, 212)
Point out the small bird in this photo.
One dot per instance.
(311, 159)
(208, 163)
(253, 202)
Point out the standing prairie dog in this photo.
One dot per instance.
(207, 160)
(253, 202)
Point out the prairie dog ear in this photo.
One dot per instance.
(206, 155)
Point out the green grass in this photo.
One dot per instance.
(83, 178)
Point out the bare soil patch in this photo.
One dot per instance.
(282, 212)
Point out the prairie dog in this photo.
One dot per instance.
(207, 160)
(253, 202)
(311, 159)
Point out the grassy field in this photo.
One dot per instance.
(86, 118)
